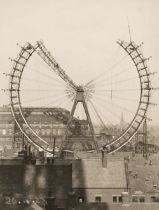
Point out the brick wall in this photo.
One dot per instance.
(33, 181)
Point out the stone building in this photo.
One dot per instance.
(99, 181)
(46, 122)
(24, 184)
(71, 182)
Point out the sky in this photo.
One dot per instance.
(81, 34)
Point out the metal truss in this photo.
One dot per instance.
(36, 141)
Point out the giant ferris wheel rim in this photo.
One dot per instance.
(136, 56)
(142, 72)
(16, 108)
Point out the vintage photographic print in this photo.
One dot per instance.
(79, 114)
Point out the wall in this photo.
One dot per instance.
(36, 181)
(118, 207)
(44, 125)
(106, 194)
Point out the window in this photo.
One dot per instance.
(142, 199)
(43, 132)
(80, 199)
(134, 199)
(138, 198)
(4, 132)
(117, 199)
(154, 199)
(48, 131)
(120, 199)
(18, 145)
(114, 199)
(54, 132)
(59, 132)
(98, 199)
(10, 131)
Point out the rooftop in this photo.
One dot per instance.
(89, 173)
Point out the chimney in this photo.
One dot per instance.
(125, 198)
(104, 159)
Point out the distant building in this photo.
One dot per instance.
(44, 121)
(34, 183)
(6, 128)
(48, 123)
(94, 180)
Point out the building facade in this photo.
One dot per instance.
(97, 180)
(47, 125)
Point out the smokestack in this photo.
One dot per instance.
(104, 159)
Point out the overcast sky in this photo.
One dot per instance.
(78, 33)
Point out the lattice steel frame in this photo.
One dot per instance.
(16, 75)
(16, 108)
(145, 91)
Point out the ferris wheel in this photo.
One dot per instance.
(116, 100)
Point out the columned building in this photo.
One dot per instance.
(48, 123)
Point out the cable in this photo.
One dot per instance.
(114, 75)
(40, 90)
(120, 107)
(37, 81)
(105, 90)
(99, 116)
(37, 99)
(120, 81)
(45, 75)
(112, 112)
(113, 66)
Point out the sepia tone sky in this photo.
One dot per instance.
(78, 33)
